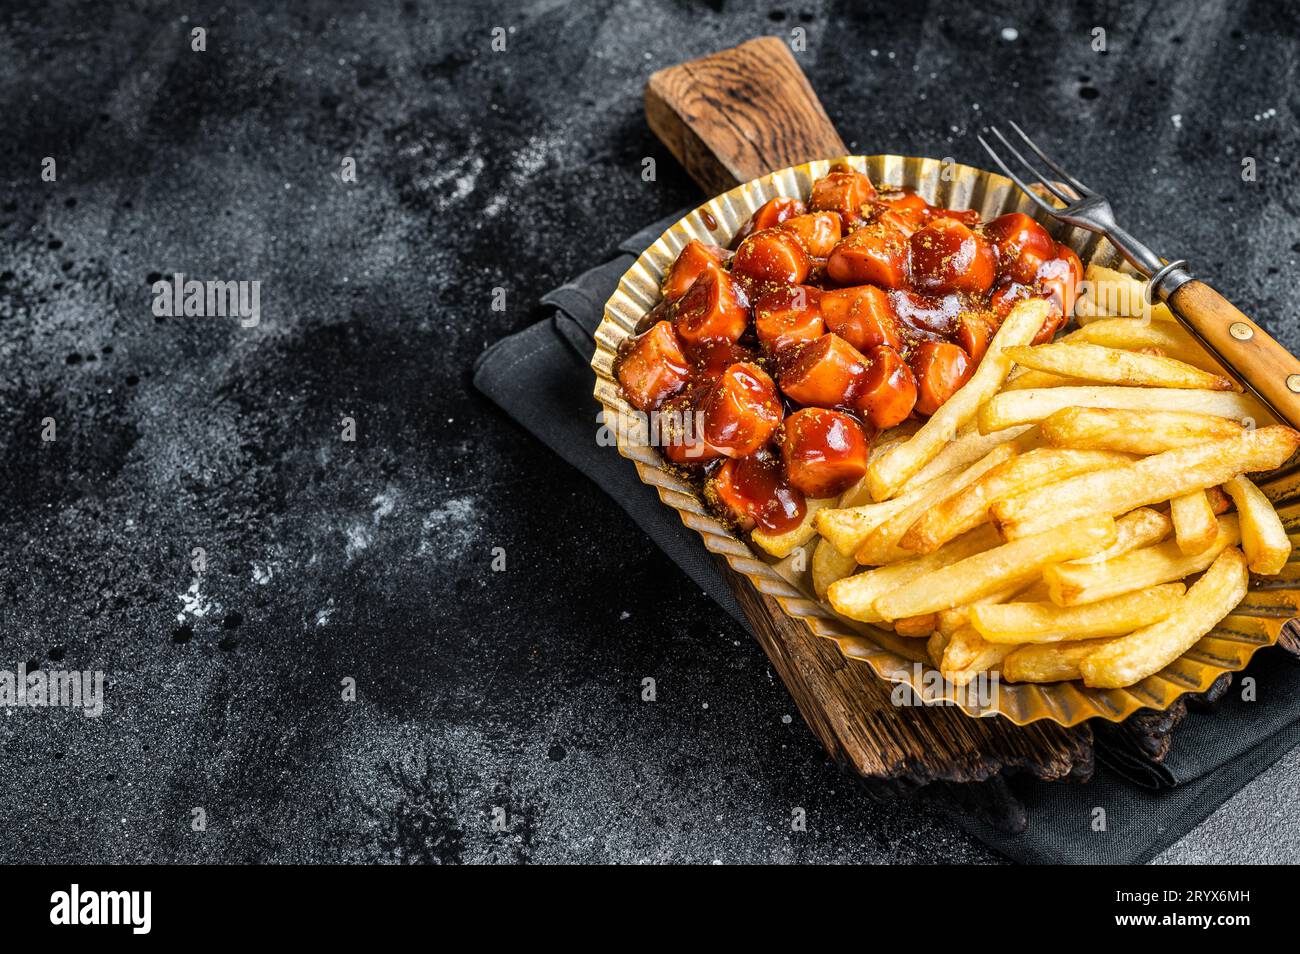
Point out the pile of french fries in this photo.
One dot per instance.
(1078, 510)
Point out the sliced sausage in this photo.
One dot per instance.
(842, 190)
(818, 231)
(772, 255)
(768, 216)
(741, 410)
(653, 367)
(974, 331)
(941, 368)
(713, 309)
(946, 256)
(679, 431)
(887, 392)
(825, 452)
(863, 316)
(788, 314)
(824, 373)
(1023, 245)
(1059, 277)
(689, 265)
(875, 254)
(907, 206)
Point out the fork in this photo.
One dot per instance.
(1270, 371)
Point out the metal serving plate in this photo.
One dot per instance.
(1256, 622)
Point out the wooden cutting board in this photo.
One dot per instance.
(728, 118)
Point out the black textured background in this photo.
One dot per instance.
(476, 170)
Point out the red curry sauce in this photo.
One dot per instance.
(771, 365)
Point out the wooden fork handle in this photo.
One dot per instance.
(1249, 352)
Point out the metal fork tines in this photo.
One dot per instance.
(1087, 209)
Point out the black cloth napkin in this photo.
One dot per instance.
(542, 378)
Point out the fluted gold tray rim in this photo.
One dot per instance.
(1256, 623)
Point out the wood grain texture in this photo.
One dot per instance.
(851, 711)
(1259, 361)
(1289, 640)
(739, 114)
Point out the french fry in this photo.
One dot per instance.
(1195, 528)
(961, 650)
(1107, 292)
(1076, 584)
(950, 620)
(968, 447)
(888, 472)
(1168, 336)
(1049, 623)
(969, 508)
(978, 575)
(1267, 546)
(968, 654)
(781, 545)
(1049, 662)
(859, 495)
(847, 527)
(880, 546)
(853, 597)
(1037, 404)
(1137, 432)
(1022, 378)
(1150, 480)
(1114, 366)
(829, 565)
(1035, 592)
(1136, 529)
(1220, 502)
(1147, 651)
(936, 645)
(916, 626)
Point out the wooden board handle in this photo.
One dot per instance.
(1251, 353)
(739, 114)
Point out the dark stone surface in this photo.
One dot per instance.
(476, 170)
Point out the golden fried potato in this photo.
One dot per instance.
(1049, 662)
(847, 527)
(1075, 584)
(1107, 292)
(1267, 546)
(968, 508)
(881, 545)
(888, 472)
(781, 545)
(916, 626)
(1169, 337)
(1136, 529)
(951, 620)
(1020, 561)
(854, 596)
(1134, 657)
(1011, 408)
(968, 654)
(1115, 366)
(1136, 432)
(1151, 480)
(829, 565)
(936, 645)
(1049, 623)
(1195, 528)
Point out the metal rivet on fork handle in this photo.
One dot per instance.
(1242, 332)
(1293, 383)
